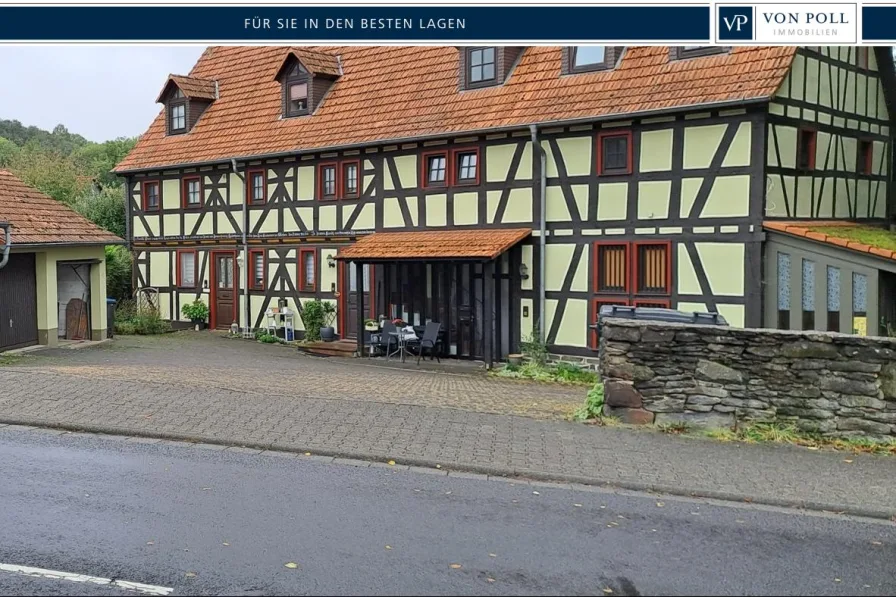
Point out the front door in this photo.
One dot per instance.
(224, 290)
(351, 301)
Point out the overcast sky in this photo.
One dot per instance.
(100, 92)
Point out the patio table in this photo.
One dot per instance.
(402, 337)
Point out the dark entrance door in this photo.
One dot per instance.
(224, 290)
(18, 302)
(351, 301)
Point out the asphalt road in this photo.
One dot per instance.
(212, 522)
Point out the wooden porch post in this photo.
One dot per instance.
(359, 289)
(488, 309)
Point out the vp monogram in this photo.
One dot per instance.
(736, 22)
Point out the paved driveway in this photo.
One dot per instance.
(206, 361)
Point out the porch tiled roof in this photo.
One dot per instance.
(38, 219)
(853, 236)
(449, 244)
(399, 92)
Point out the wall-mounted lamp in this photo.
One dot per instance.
(205, 283)
(524, 271)
(331, 261)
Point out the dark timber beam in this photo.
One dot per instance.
(488, 310)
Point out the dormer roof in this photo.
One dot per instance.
(315, 62)
(191, 87)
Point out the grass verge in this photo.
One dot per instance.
(789, 434)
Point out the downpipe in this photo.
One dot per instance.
(6, 244)
(244, 271)
(542, 228)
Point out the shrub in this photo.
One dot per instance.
(118, 273)
(534, 349)
(317, 314)
(573, 373)
(267, 338)
(594, 404)
(195, 311)
(130, 320)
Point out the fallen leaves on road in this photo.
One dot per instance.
(455, 566)
(150, 542)
(388, 547)
(489, 579)
(493, 555)
(577, 505)
(811, 447)
(876, 543)
(613, 524)
(190, 575)
(847, 461)
(660, 504)
(836, 580)
(602, 506)
(391, 463)
(206, 488)
(307, 453)
(535, 493)
(438, 466)
(291, 565)
(608, 590)
(225, 544)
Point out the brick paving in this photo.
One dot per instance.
(164, 386)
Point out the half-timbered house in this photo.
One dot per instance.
(502, 191)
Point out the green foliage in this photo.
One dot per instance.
(59, 140)
(534, 349)
(8, 152)
(572, 373)
(118, 272)
(195, 311)
(104, 208)
(53, 174)
(868, 235)
(130, 320)
(594, 404)
(267, 338)
(98, 160)
(329, 310)
(676, 428)
(561, 373)
(314, 316)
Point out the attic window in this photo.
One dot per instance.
(587, 58)
(481, 66)
(295, 88)
(685, 52)
(178, 117)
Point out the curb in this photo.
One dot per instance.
(491, 471)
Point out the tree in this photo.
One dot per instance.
(98, 159)
(52, 174)
(8, 151)
(104, 208)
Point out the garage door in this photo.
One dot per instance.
(18, 302)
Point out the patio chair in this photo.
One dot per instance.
(429, 340)
(386, 339)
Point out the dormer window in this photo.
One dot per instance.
(585, 59)
(186, 99)
(296, 88)
(684, 52)
(480, 66)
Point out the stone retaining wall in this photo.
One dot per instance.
(835, 384)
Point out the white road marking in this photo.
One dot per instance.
(97, 580)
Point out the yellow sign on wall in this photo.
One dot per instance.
(860, 326)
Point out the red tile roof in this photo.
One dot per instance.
(827, 232)
(38, 219)
(316, 61)
(396, 92)
(192, 87)
(453, 244)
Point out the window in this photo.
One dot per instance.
(611, 268)
(653, 267)
(435, 168)
(862, 57)
(833, 299)
(480, 66)
(806, 150)
(614, 153)
(295, 90)
(808, 294)
(192, 192)
(186, 269)
(864, 159)
(588, 56)
(685, 52)
(783, 291)
(257, 273)
(859, 304)
(255, 180)
(327, 181)
(350, 180)
(178, 117)
(466, 166)
(150, 196)
(307, 270)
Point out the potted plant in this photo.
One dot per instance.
(371, 325)
(515, 359)
(327, 333)
(196, 312)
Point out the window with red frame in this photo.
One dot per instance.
(864, 158)
(151, 195)
(257, 186)
(611, 268)
(191, 188)
(257, 272)
(466, 166)
(186, 269)
(435, 169)
(805, 152)
(652, 268)
(326, 176)
(614, 153)
(307, 270)
(350, 183)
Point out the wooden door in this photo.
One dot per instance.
(351, 301)
(224, 276)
